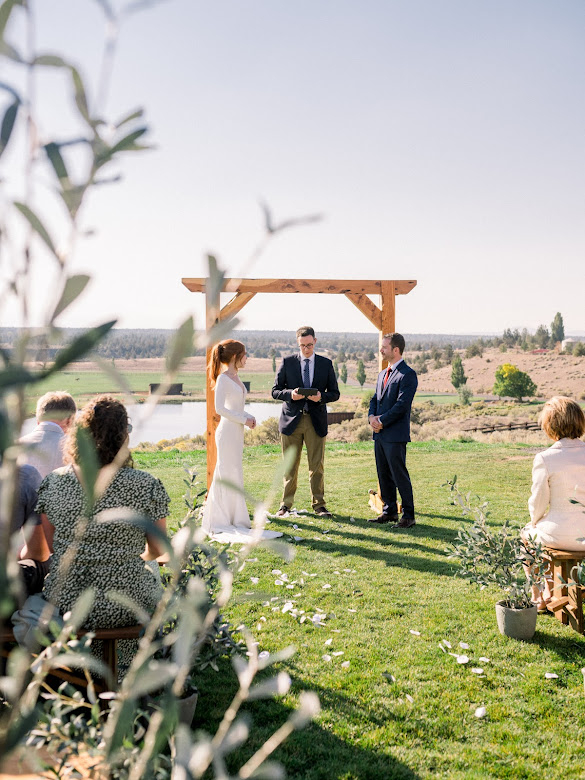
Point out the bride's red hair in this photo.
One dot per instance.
(223, 353)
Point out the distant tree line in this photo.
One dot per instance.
(438, 349)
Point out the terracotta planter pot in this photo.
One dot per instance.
(516, 623)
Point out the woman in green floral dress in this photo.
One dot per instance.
(99, 546)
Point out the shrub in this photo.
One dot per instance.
(513, 383)
(265, 433)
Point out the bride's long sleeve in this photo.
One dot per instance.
(220, 403)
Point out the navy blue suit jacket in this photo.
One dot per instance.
(393, 403)
(288, 378)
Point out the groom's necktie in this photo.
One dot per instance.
(387, 377)
(306, 381)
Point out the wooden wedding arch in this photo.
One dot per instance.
(383, 317)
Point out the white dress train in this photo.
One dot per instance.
(225, 515)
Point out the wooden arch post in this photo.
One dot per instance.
(383, 317)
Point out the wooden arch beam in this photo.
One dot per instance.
(356, 290)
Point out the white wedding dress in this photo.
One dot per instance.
(225, 515)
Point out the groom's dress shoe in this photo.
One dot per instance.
(406, 522)
(384, 518)
(283, 511)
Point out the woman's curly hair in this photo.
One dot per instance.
(106, 420)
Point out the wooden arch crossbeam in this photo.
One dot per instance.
(383, 317)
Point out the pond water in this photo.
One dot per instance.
(168, 421)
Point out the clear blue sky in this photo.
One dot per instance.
(443, 142)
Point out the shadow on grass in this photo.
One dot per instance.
(384, 543)
(570, 646)
(313, 753)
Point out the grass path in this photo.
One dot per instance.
(375, 586)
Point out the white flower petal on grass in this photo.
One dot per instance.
(464, 645)
(389, 677)
(414, 633)
(290, 587)
(298, 538)
(278, 582)
(302, 620)
(325, 531)
(276, 571)
(263, 654)
(551, 676)
(287, 607)
(255, 580)
(410, 699)
(339, 652)
(352, 610)
(476, 670)
(480, 712)
(326, 586)
(462, 659)
(329, 641)
(345, 665)
(336, 572)
(442, 648)
(295, 526)
(347, 570)
(326, 657)
(275, 598)
(484, 660)
(447, 643)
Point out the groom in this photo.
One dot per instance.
(304, 417)
(389, 418)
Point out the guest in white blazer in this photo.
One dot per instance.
(558, 477)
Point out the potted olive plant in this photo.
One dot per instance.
(499, 556)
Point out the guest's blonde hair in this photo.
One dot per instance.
(222, 353)
(562, 418)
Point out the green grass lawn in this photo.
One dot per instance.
(376, 586)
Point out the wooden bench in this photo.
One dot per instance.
(567, 600)
(109, 638)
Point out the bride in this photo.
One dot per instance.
(225, 515)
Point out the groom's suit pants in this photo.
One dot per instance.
(292, 446)
(393, 474)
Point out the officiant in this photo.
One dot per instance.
(305, 383)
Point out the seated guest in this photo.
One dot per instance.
(44, 445)
(34, 551)
(91, 549)
(558, 475)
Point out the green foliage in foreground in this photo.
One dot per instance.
(384, 584)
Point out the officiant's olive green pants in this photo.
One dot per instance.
(291, 450)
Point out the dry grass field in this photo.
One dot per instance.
(554, 374)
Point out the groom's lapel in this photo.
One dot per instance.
(389, 382)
